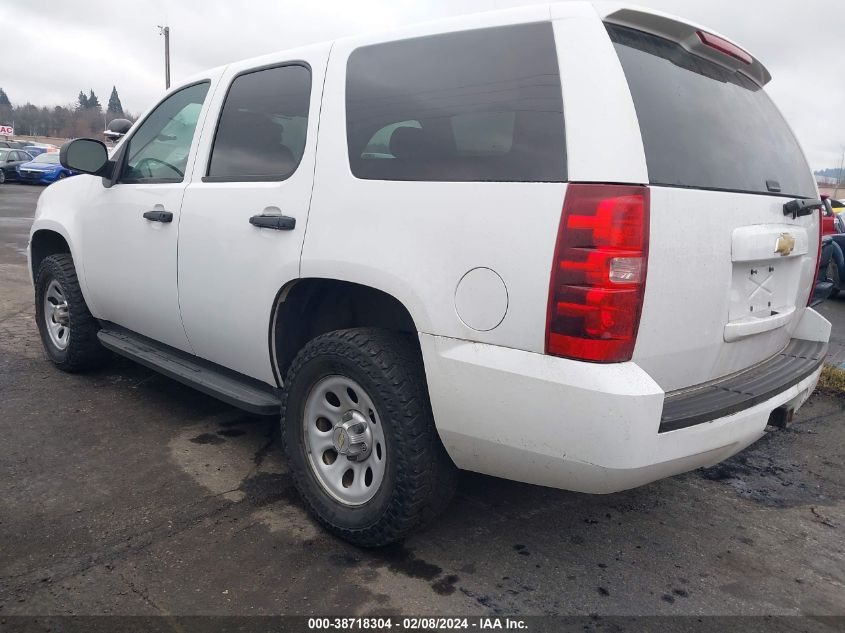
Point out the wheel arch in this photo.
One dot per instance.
(307, 307)
(43, 243)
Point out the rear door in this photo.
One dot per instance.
(245, 211)
(728, 273)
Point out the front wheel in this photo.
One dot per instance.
(67, 328)
(2, 176)
(360, 438)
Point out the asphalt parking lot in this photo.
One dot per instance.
(127, 493)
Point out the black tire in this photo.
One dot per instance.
(833, 275)
(419, 479)
(83, 351)
(2, 176)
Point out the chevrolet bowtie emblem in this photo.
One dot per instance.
(785, 245)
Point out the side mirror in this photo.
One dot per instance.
(86, 155)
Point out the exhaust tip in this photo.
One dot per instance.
(782, 417)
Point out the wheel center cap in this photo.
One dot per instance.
(352, 436)
(60, 314)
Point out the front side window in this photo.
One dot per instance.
(261, 133)
(158, 150)
(481, 105)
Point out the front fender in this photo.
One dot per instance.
(57, 210)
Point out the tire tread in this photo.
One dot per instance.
(426, 478)
(84, 351)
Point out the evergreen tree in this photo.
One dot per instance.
(4, 99)
(93, 101)
(115, 107)
(82, 101)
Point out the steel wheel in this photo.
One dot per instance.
(344, 440)
(56, 316)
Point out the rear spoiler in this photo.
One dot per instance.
(698, 40)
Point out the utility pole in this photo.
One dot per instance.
(165, 30)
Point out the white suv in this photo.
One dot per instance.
(570, 245)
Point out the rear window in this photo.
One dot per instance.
(705, 126)
(482, 105)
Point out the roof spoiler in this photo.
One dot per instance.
(696, 39)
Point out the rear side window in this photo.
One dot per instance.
(482, 105)
(705, 126)
(261, 133)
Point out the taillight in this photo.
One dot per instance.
(598, 273)
(724, 46)
(818, 262)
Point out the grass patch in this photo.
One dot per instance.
(832, 379)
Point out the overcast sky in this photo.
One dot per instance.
(61, 48)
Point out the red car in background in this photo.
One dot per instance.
(831, 209)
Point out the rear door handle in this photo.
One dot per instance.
(158, 216)
(277, 222)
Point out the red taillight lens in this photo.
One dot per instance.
(598, 274)
(818, 262)
(724, 46)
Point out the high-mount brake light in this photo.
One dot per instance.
(724, 46)
(598, 274)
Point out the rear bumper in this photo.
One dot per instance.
(743, 391)
(581, 426)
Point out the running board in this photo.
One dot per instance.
(232, 388)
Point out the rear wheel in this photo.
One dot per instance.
(67, 328)
(360, 437)
(2, 176)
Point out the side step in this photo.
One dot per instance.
(232, 388)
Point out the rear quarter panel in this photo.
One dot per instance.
(416, 240)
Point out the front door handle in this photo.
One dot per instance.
(158, 216)
(277, 222)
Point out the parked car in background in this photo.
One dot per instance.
(44, 169)
(825, 285)
(828, 216)
(117, 129)
(480, 289)
(12, 144)
(34, 150)
(9, 161)
(832, 260)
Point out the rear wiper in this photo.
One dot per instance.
(800, 207)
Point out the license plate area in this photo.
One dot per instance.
(759, 289)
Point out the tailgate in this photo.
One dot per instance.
(719, 296)
(729, 274)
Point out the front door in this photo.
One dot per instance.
(246, 208)
(130, 229)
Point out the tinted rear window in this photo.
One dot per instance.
(469, 106)
(705, 126)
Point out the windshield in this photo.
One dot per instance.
(705, 126)
(52, 158)
(3, 154)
